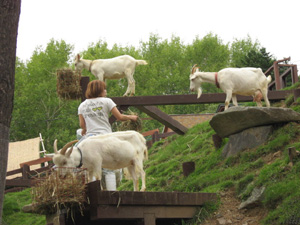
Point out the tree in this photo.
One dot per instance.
(260, 59)
(240, 48)
(9, 21)
(209, 53)
(36, 83)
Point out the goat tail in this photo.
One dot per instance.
(269, 79)
(141, 62)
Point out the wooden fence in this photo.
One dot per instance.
(26, 175)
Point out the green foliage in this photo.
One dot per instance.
(242, 183)
(37, 108)
(209, 53)
(240, 48)
(257, 58)
(287, 212)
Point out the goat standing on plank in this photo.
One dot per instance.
(114, 68)
(234, 81)
(111, 151)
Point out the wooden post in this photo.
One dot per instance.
(277, 76)
(294, 74)
(217, 141)
(188, 168)
(293, 154)
(149, 219)
(296, 94)
(25, 172)
(155, 137)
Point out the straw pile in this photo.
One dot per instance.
(129, 124)
(68, 84)
(52, 192)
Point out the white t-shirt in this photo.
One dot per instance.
(95, 112)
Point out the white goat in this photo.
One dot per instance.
(234, 81)
(112, 151)
(114, 68)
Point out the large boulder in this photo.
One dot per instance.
(237, 119)
(249, 138)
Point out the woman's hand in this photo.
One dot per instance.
(133, 117)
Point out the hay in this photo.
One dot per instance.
(68, 84)
(131, 125)
(52, 192)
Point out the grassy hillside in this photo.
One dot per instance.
(12, 210)
(252, 168)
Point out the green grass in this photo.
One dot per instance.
(213, 173)
(12, 210)
(242, 172)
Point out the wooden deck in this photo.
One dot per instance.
(148, 208)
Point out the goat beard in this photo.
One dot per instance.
(199, 90)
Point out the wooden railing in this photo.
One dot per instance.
(26, 174)
(156, 136)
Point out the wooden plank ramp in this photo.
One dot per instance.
(147, 208)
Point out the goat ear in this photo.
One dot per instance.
(192, 77)
(68, 153)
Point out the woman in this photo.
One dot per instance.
(94, 111)
(94, 116)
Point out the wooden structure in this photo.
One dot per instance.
(281, 79)
(25, 180)
(155, 136)
(147, 104)
(128, 207)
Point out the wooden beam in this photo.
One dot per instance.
(18, 183)
(163, 118)
(189, 99)
(36, 161)
(139, 212)
(269, 70)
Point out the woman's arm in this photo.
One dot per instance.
(82, 124)
(122, 117)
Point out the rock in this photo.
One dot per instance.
(28, 208)
(237, 119)
(254, 199)
(246, 139)
(221, 221)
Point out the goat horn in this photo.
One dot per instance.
(64, 149)
(55, 146)
(194, 68)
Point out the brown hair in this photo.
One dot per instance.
(95, 89)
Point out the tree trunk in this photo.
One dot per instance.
(9, 21)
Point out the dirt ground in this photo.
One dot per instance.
(229, 214)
